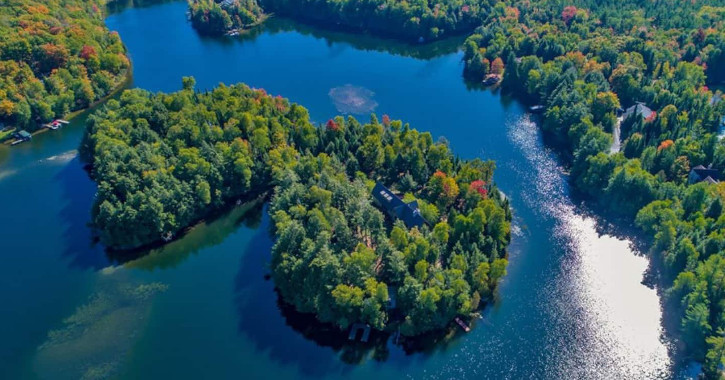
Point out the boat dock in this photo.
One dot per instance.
(21, 137)
(357, 327)
(55, 124)
(537, 108)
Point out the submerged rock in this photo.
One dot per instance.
(353, 99)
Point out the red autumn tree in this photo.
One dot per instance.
(497, 66)
(479, 186)
(512, 13)
(332, 125)
(87, 52)
(386, 120)
(651, 117)
(568, 14)
(55, 56)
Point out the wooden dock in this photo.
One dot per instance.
(55, 124)
(357, 327)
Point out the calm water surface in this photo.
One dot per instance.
(572, 306)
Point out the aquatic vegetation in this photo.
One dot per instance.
(94, 340)
(349, 99)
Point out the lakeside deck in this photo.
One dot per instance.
(357, 327)
(55, 124)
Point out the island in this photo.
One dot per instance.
(414, 22)
(226, 16)
(375, 224)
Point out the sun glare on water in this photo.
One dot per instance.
(617, 319)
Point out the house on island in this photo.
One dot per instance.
(21, 137)
(703, 174)
(409, 213)
(638, 109)
(491, 79)
(715, 99)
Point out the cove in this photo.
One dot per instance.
(572, 306)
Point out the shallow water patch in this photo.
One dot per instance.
(93, 342)
(351, 99)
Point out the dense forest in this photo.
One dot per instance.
(412, 21)
(583, 60)
(217, 17)
(55, 57)
(163, 161)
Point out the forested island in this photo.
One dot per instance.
(219, 17)
(164, 161)
(414, 21)
(655, 60)
(55, 57)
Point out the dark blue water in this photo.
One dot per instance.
(572, 306)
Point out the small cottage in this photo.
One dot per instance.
(638, 109)
(23, 135)
(491, 79)
(703, 174)
(409, 213)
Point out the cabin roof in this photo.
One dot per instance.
(409, 213)
(710, 180)
(707, 174)
(715, 99)
(639, 109)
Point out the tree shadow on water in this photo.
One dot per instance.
(300, 340)
(289, 337)
(78, 192)
(198, 238)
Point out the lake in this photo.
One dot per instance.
(573, 304)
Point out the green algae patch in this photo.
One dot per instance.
(93, 342)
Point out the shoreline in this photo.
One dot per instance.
(122, 85)
(210, 216)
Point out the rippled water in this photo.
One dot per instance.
(599, 288)
(572, 305)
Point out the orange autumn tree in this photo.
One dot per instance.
(665, 144)
(497, 66)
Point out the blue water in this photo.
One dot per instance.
(572, 306)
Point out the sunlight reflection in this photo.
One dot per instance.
(620, 334)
